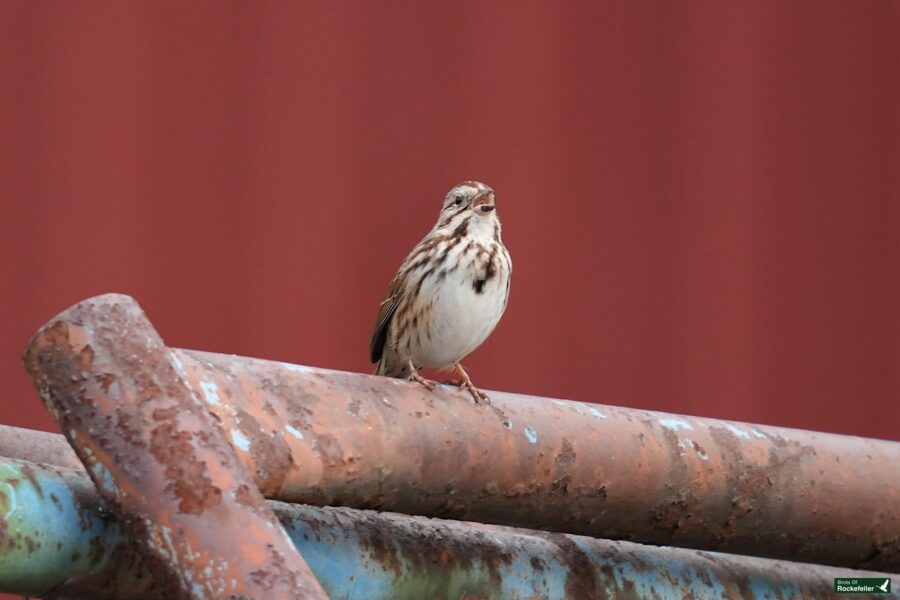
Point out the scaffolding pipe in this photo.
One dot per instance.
(60, 543)
(159, 458)
(332, 438)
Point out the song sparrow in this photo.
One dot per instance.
(448, 294)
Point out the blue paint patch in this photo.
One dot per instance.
(62, 520)
(736, 431)
(240, 440)
(294, 431)
(675, 424)
(520, 579)
(757, 433)
(654, 573)
(698, 449)
(103, 477)
(334, 555)
(210, 392)
(176, 362)
(531, 434)
(297, 368)
(597, 413)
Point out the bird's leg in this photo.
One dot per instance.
(465, 382)
(414, 376)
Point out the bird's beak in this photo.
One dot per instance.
(483, 203)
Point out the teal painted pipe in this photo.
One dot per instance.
(56, 540)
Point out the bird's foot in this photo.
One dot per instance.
(464, 382)
(415, 376)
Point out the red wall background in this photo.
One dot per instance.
(702, 199)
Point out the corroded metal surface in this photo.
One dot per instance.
(158, 457)
(37, 446)
(54, 529)
(59, 539)
(326, 437)
(332, 438)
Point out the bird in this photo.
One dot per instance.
(448, 294)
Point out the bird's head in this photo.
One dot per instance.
(471, 202)
(471, 195)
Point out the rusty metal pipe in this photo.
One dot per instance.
(59, 544)
(325, 437)
(38, 447)
(158, 457)
(331, 438)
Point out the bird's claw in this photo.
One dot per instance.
(415, 376)
(426, 383)
(464, 382)
(479, 396)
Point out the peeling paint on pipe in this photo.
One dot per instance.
(56, 532)
(59, 542)
(158, 457)
(332, 438)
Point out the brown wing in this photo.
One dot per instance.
(383, 320)
(396, 292)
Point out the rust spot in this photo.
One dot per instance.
(330, 448)
(164, 414)
(560, 487)
(382, 548)
(271, 457)
(580, 579)
(85, 360)
(354, 406)
(749, 485)
(186, 476)
(29, 474)
(105, 380)
(676, 501)
(96, 551)
(566, 454)
(244, 495)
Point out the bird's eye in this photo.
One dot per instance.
(457, 200)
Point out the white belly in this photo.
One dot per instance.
(460, 318)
